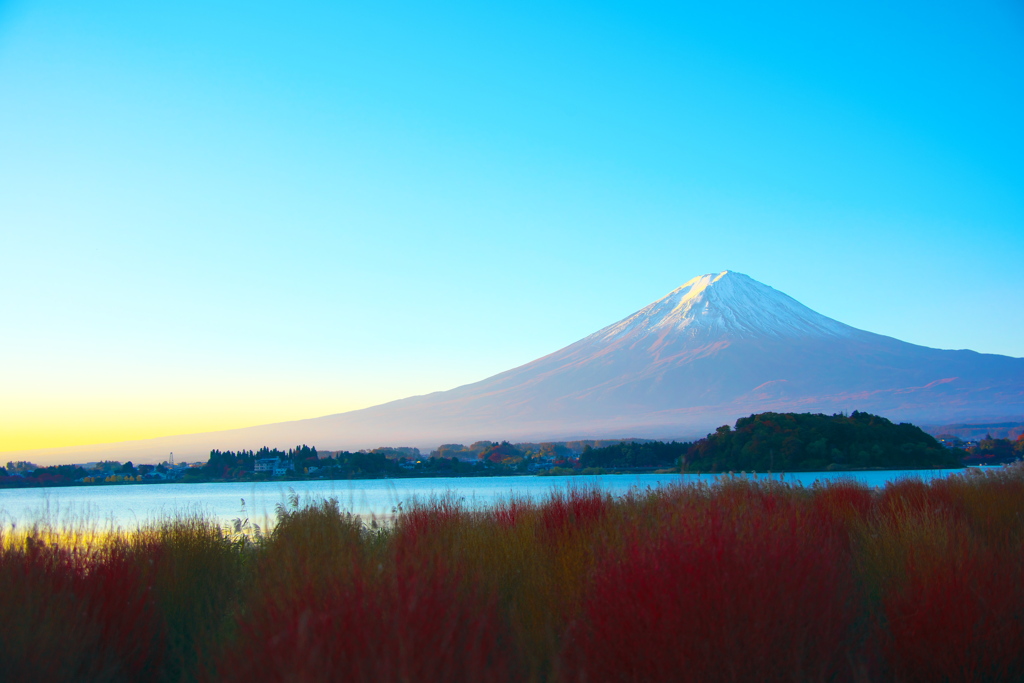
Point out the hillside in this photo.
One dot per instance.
(813, 442)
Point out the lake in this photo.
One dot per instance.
(128, 505)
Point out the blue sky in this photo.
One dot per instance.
(213, 217)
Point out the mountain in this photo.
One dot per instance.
(719, 347)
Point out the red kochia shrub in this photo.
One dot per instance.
(574, 509)
(757, 597)
(962, 620)
(121, 608)
(69, 616)
(424, 524)
(844, 500)
(510, 513)
(913, 496)
(412, 624)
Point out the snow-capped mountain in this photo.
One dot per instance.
(723, 305)
(719, 347)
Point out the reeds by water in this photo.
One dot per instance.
(743, 580)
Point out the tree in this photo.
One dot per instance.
(991, 451)
(478, 447)
(632, 454)
(451, 450)
(498, 452)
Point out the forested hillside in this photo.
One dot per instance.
(804, 441)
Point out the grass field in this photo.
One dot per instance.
(744, 580)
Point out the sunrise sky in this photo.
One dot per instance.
(216, 215)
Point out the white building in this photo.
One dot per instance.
(266, 465)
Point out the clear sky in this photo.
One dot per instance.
(216, 215)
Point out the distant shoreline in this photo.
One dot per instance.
(474, 475)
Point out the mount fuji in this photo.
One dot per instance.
(719, 347)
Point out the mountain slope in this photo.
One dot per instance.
(719, 347)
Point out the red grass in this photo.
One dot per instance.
(577, 509)
(844, 500)
(411, 624)
(65, 616)
(913, 496)
(719, 599)
(422, 523)
(740, 581)
(959, 621)
(510, 513)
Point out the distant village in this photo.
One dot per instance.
(481, 458)
(105, 472)
(986, 451)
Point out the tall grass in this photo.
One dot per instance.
(753, 587)
(738, 581)
(77, 613)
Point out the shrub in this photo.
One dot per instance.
(410, 624)
(960, 620)
(722, 597)
(67, 614)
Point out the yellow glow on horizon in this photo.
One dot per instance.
(67, 423)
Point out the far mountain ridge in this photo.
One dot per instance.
(719, 347)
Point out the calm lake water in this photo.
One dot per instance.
(129, 505)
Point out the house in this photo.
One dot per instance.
(281, 467)
(265, 465)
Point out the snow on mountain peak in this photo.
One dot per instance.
(724, 305)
